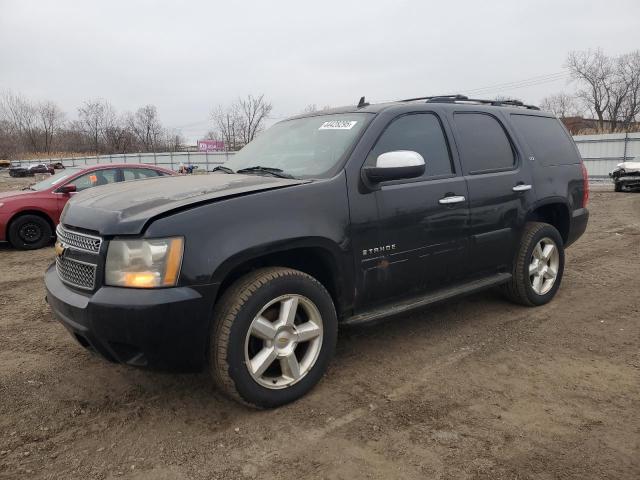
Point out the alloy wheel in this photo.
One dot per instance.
(543, 266)
(283, 341)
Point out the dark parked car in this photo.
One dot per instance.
(28, 217)
(31, 170)
(341, 217)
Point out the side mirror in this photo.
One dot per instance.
(396, 165)
(68, 188)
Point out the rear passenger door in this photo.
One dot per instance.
(137, 173)
(500, 189)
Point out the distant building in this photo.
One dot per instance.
(577, 125)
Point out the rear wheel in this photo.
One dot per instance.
(538, 266)
(274, 334)
(29, 232)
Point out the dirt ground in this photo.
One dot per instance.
(474, 388)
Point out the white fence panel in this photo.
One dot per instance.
(601, 153)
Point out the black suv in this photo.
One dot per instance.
(340, 217)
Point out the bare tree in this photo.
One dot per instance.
(146, 127)
(227, 125)
(8, 144)
(253, 113)
(50, 120)
(118, 136)
(21, 115)
(629, 73)
(173, 141)
(94, 117)
(595, 72)
(562, 105)
(213, 135)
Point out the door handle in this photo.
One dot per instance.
(451, 200)
(521, 188)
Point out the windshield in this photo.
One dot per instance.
(308, 147)
(55, 179)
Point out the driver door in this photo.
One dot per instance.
(422, 228)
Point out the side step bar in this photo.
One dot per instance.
(422, 301)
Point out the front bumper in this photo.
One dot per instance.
(578, 224)
(166, 329)
(4, 223)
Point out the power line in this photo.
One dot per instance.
(524, 82)
(486, 90)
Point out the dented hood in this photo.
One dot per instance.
(125, 208)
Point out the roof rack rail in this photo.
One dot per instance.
(464, 99)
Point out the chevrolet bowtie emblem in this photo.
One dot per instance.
(59, 249)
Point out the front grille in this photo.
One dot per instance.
(79, 241)
(76, 273)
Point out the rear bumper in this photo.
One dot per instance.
(166, 329)
(579, 221)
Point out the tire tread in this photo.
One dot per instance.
(225, 314)
(515, 289)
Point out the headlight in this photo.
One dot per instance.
(148, 263)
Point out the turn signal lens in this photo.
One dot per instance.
(140, 279)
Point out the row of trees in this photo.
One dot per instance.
(28, 127)
(608, 90)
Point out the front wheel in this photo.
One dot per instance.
(274, 334)
(538, 266)
(29, 232)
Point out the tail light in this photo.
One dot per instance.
(585, 185)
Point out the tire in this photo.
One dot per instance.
(528, 290)
(236, 345)
(617, 186)
(29, 232)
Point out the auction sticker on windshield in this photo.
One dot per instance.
(338, 125)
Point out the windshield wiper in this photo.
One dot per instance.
(220, 168)
(276, 172)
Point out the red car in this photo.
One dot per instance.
(28, 217)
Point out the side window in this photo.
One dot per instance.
(419, 132)
(95, 179)
(136, 173)
(483, 143)
(548, 141)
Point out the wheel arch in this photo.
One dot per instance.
(555, 212)
(30, 211)
(319, 258)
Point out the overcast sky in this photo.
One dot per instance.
(187, 56)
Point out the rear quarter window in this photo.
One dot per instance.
(547, 140)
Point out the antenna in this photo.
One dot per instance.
(362, 103)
